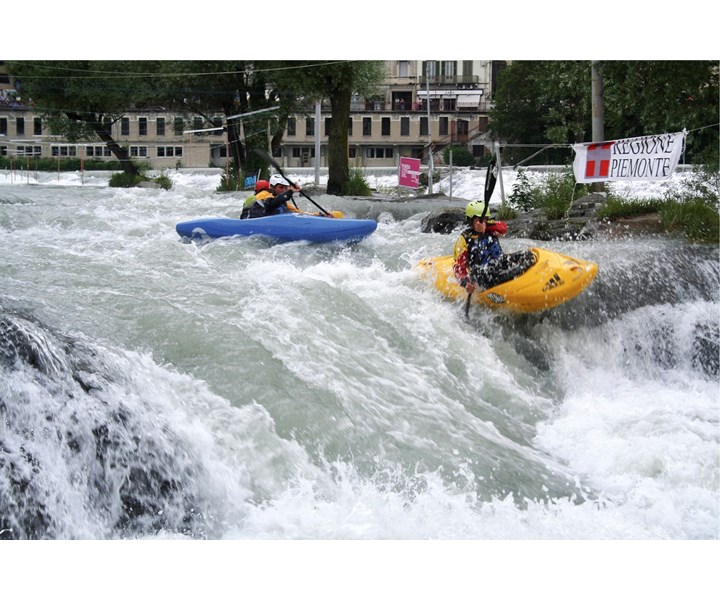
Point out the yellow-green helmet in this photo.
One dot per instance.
(475, 209)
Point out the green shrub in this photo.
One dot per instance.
(693, 208)
(125, 180)
(231, 182)
(34, 163)
(618, 208)
(554, 195)
(356, 185)
(506, 213)
(522, 193)
(558, 193)
(164, 181)
(461, 156)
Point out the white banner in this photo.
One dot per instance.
(648, 158)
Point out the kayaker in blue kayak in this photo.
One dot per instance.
(261, 185)
(479, 259)
(275, 201)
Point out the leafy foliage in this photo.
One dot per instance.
(544, 102)
(521, 196)
(461, 156)
(357, 185)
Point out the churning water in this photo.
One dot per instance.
(245, 390)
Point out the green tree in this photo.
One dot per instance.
(239, 90)
(336, 82)
(646, 97)
(80, 100)
(550, 102)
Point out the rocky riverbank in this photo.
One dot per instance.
(581, 222)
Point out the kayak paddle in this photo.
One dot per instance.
(490, 179)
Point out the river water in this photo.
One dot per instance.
(241, 390)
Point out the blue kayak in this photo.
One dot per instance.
(292, 227)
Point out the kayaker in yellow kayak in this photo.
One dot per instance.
(479, 259)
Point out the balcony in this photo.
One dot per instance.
(451, 80)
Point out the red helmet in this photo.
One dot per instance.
(262, 184)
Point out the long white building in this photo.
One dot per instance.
(396, 122)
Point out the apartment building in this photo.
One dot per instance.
(421, 105)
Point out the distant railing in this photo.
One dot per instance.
(402, 106)
(449, 80)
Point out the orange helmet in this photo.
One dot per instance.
(262, 184)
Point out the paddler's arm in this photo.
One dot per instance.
(460, 265)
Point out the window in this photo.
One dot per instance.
(63, 150)
(385, 126)
(124, 126)
(20, 126)
(350, 124)
(449, 68)
(379, 152)
(443, 125)
(3, 125)
(168, 151)
(328, 122)
(217, 123)
(310, 126)
(430, 68)
(404, 125)
(160, 126)
(179, 125)
(303, 152)
(136, 151)
(37, 126)
(367, 125)
(423, 126)
(197, 124)
(291, 125)
(403, 68)
(142, 126)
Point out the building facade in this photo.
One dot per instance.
(422, 105)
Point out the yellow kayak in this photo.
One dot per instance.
(552, 280)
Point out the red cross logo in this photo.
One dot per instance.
(597, 164)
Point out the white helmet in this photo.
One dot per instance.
(278, 179)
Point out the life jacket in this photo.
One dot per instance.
(265, 204)
(476, 254)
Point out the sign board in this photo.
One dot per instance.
(409, 172)
(250, 181)
(649, 158)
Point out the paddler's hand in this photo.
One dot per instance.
(470, 287)
(295, 187)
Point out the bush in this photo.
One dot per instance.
(356, 185)
(231, 182)
(164, 181)
(554, 195)
(617, 208)
(521, 197)
(125, 180)
(693, 208)
(34, 163)
(461, 156)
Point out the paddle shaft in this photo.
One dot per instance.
(490, 180)
(276, 166)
